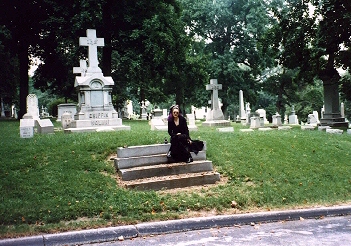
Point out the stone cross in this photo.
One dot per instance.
(82, 69)
(214, 87)
(92, 42)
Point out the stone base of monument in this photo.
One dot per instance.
(216, 123)
(335, 123)
(96, 125)
(147, 167)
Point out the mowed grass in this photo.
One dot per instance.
(59, 182)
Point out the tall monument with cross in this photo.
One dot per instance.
(95, 111)
(215, 116)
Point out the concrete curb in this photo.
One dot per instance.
(154, 228)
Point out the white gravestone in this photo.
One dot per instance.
(158, 124)
(45, 126)
(293, 117)
(215, 115)
(27, 128)
(276, 119)
(66, 120)
(216, 112)
(95, 110)
(32, 108)
(262, 114)
(255, 122)
(191, 122)
(2, 108)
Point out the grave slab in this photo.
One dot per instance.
(284, 127)
(226, 129)
(334, 131)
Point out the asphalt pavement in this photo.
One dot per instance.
(172, 226)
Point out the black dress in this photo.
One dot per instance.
(179, 142)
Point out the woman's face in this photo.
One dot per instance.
(175, 112)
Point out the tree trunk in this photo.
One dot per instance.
(107, 49)
(24, 79)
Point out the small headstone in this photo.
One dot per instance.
(293, 117)
(262, 114)
(348, 131)
(255, 122)
(27, 128)
(191, 122)
(334, 131)
(66, 120)
(226, 129)
(276, 119)
(45, 126)
(158, 124)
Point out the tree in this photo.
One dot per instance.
(23, 19)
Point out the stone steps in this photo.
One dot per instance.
(146, 167)
(174, 181)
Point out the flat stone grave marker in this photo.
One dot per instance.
(226, 129)
(158, 124)
(284, 127)
(334, 131)
(27, 128)
(45, 126)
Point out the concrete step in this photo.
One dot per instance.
(150, 159)
(174, 181)
(165, 170)
(143, 150)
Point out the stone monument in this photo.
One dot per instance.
(95, 111)
(215, 116)
(332, 115)
(242, 112)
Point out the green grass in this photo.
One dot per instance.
(59, 182)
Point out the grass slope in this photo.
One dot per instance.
(58, 182)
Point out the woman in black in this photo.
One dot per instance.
(180, 139)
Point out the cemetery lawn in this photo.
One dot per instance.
(59, 182)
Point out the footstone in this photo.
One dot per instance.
(265, 129)
(308, 127)
(284, 127)
(334, 131)
(246, 130)
(45, 126)
(226, 129)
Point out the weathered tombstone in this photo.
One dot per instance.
(45, 126)
(158, 124)
(262, 114)
(248, 112)
(191, 122)
(66, 119)
(293, 117)
(334, 131)
(143, 111)
(157, 113)
(276, 119)
(342, 110)
(255, 122)
(14, 112)
(27, 128)
(62, 108)
(32, 108)
(95, 109)
(312, 119)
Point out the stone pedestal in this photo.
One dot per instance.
(332, 116)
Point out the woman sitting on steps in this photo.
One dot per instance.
(180, 139)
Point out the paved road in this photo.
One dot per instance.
(327, 231)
